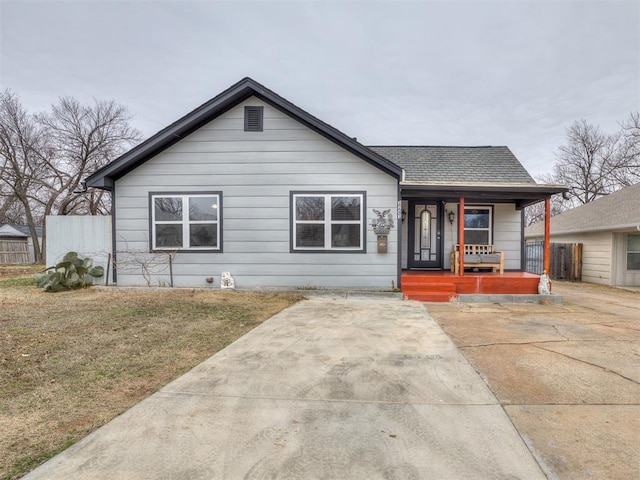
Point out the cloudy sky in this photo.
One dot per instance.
(514, 73)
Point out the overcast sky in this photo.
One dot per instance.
(514, 73)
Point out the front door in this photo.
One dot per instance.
(425, 234)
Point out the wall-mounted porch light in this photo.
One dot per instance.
(452, 216)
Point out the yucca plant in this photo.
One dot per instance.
(72, 272)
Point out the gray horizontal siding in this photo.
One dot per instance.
(272, 179)
(255, 171)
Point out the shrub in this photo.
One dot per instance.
(72, 272)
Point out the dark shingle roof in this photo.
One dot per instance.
(495, 165)
(617, 211)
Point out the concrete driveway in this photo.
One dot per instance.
(568, 376)
(327, 389)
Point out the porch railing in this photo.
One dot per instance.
(565, 262)
(534, 257)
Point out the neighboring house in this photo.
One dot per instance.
(18, 235)
(609, 230)
(251, 184)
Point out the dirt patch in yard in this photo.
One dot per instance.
(71, 361)
(567, 375)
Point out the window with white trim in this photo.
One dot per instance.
(189, 221)
(477, 225)
(633, 252)
(327, 221)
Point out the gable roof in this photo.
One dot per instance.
(215, 107)
(451, 165)
(10, 231)
(617, 211)
(25, 229)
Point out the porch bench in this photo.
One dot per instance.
(477, 256)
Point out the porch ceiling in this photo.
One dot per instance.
(522, 195)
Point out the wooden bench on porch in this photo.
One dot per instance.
(477, 256)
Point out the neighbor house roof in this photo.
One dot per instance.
(25, 229)
(451, 165)
(617, 211)
(10, 231)
(215, 107)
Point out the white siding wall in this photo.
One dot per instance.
(255, 171)
(506, 234)
(596, 255)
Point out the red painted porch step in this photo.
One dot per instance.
(441, 287)
(427, 291)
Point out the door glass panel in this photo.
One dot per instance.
(425, 236)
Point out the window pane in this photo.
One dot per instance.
(169, 236)
(343, 236)
(168, 209)
(310, 235)
(203, 235)
(309, 208)
(479, 237)
(476, 218)
(633, 243)
(203, 208)
(633, 261)
(345, 208)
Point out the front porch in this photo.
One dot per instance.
(445, 286)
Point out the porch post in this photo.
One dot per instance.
(461, 236)
(547, 235)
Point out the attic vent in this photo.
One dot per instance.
(253, 119)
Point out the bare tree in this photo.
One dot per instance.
(21, 155)
(535, 213)
(629, 151)
(83, 138)
(44, 158)
(588, 163)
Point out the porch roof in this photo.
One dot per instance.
(480, 174)
(452, 164)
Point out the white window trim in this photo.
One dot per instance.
(489, 228)
(627, 252)
(185, 222)
(327, 222)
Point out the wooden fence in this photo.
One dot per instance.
(14, 252)
(565, 261)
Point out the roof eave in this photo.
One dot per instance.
(610, 228)
(522, 195)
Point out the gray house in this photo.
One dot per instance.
(249, 183)
(609, 230)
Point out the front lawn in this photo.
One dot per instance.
(72, 361)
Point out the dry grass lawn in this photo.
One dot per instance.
(71, 361)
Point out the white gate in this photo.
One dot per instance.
(89, 235)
